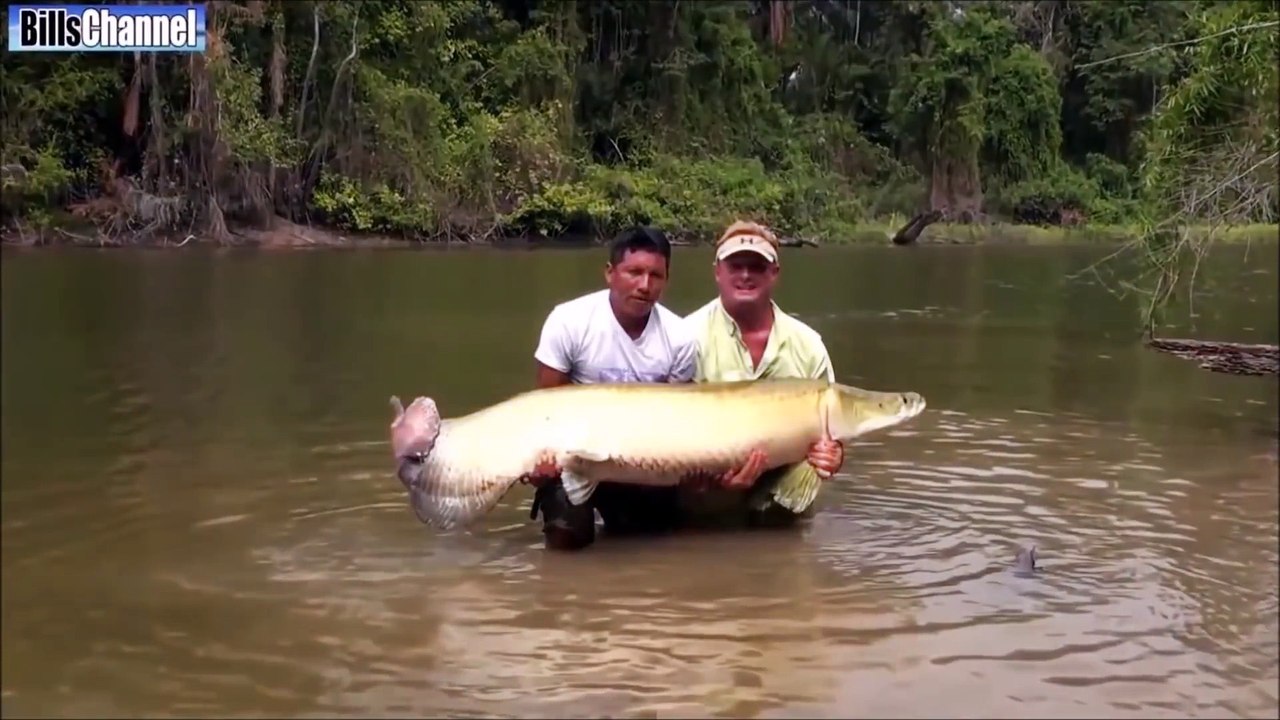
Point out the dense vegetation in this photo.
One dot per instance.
(476, 117)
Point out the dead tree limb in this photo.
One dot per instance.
(911, 231)
(1223, 357)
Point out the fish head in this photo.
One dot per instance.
(414, 429)
(858, 412)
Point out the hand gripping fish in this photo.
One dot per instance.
(457, 469)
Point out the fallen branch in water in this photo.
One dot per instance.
(911, 231)
(1223, 357)
(102, 239)
(797, 242)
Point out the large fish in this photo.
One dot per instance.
(457, 469)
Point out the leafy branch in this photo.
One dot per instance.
(1180, 43)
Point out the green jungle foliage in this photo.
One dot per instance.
(473, 118)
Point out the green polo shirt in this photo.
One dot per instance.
(794, 350)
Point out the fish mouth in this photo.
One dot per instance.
(909, 405)
(421, 507)
(912, 405)
(410, 473)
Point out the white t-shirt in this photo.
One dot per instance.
(581, 337)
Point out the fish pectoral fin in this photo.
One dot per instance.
(579, 468)
(794, 488)
(584, 462)
(585, 456)
(578, 488)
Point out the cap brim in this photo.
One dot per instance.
(735, 249)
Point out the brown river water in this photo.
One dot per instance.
(200, 518)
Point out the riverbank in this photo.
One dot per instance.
(71, 232)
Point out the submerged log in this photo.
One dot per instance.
(797, 242)
(1223, 357)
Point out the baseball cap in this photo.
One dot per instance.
(750, 237)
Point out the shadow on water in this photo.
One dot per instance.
(199, 518)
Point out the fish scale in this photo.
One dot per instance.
(646, 434)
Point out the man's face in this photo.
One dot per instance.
(636, 283)
(746, 277)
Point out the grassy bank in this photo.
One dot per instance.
(62, 229)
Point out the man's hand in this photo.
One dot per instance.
(745, 475)
(826, 456)
(736, 478)
(544, 471)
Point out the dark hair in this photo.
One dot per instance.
(640, 238)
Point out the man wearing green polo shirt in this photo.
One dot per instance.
(743, 335)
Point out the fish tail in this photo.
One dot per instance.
(797, 488)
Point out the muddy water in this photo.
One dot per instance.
(199, 519)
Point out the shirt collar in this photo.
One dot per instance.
(778, 334)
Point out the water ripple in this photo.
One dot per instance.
(216, 531)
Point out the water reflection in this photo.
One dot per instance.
(198, 518)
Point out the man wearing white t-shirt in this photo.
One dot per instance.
(618, 334)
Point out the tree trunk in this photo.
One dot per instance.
(133, 99)
(778, 21)
(208, 150)
(156, 166)
(669, 85)
(955, 188)
(276, 68)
